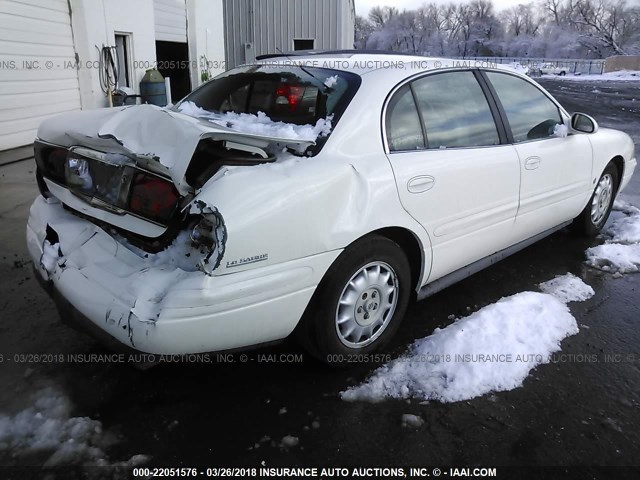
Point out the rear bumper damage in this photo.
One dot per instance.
(163, 309)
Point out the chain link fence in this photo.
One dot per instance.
(570, 66)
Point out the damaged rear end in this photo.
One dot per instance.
(121, 232)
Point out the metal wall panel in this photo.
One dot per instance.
(237, 30)
(272, 25)
(170, 17)
(32, 34)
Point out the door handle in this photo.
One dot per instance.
(532, 163)
(421, 183)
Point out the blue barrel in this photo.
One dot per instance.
(152, 89)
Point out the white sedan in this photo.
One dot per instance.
(313, 195)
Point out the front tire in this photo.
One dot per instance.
(359, 303)
(594, 216)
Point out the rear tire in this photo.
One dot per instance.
(594, 216)
(359, 303)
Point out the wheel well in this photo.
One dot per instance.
(411, 247)
(618, 162)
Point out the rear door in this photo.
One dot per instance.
(555, 171)
(453, 172)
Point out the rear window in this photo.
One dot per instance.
(290, 94)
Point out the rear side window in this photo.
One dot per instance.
(531, 114)
(404, 130)
(455, 111)
(287, 94)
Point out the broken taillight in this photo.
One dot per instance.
(289, 95)
(153, 197)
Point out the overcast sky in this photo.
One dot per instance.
(363, 6)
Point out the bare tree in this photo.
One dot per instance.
(562, 28)
(522, 20)
(553, 8)
(363, 30)
(381, 15)
(604, 21)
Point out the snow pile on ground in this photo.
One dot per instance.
(568, 288)
(493, 349)
(615, 258)
(260, 124)
(621, 251)
(625, 227)
(289, 441)
(627, 75)
(47, 429)
(411, 421)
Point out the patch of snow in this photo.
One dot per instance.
(626, 75)
(621, 251)
(625, 207)
(191, 109)
(50, 256)
(568, 288)
(331, 81)
(493, 349)
(260, 124)
(615, 257)
(289, 441)
(180, 254)
(560, 130)
(47, 428)
(626, 228)
(410, 420)
(126, 90)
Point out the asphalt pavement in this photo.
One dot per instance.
(236, 410)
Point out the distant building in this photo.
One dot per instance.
(257, 27)
(50, 50)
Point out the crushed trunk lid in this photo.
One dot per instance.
(157, 138)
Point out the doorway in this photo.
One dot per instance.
(173, 62)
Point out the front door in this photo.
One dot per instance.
(555, 169)
(452, 173)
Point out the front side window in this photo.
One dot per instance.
(455, 111)
(531, 114)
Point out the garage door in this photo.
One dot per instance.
(170, 20)
(35, 43)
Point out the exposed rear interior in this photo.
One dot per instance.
(211, 155)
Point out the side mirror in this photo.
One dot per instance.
(583, 123)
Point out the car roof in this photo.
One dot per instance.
(364, 62)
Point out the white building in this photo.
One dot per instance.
(50, 49)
